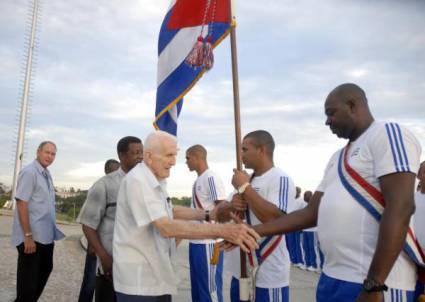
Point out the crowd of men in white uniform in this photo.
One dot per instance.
(359, 216)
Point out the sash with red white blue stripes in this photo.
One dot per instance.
(212, 190)
(267, 246)
(373, 201)
(195, 200)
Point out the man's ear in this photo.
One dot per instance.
(147, 157)
(260, 149)
(352, 104)
(120, 156)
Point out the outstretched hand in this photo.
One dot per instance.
(228, 245)
(242, 235)
(213, 212)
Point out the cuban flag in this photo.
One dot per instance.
(179, 32)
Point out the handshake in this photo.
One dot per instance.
(237, 233)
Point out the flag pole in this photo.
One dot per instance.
(236, 103)
(237, 117)
(24, 103)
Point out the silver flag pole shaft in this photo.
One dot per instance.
(24, 104)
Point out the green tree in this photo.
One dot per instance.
(183, 201)
(66, 205)
(3, 198)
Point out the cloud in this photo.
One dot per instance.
(95, 80)
(87, 170)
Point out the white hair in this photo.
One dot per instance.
(154, 139)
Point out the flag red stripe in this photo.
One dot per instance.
(190, 13)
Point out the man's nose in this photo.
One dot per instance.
(328, 121)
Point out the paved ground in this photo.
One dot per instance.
(64, 282)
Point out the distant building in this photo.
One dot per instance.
(65, 193)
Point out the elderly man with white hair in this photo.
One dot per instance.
(147, 226)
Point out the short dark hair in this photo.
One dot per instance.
(122, 146)
(261, 138)
(109, 163)
(199, 150)
(43, 143)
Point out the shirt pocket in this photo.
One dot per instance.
(40, 205)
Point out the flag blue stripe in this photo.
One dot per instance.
(166, 123)
(165, 35)
(173, 86)
(172, 89)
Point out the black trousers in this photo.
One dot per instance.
(33, 272)
(132, 298)
(104, 291)
(88, 284)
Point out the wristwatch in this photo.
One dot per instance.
(370, 285)
(243, 187)
(28, 234)
(207, 216)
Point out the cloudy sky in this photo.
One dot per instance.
(95, 80)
